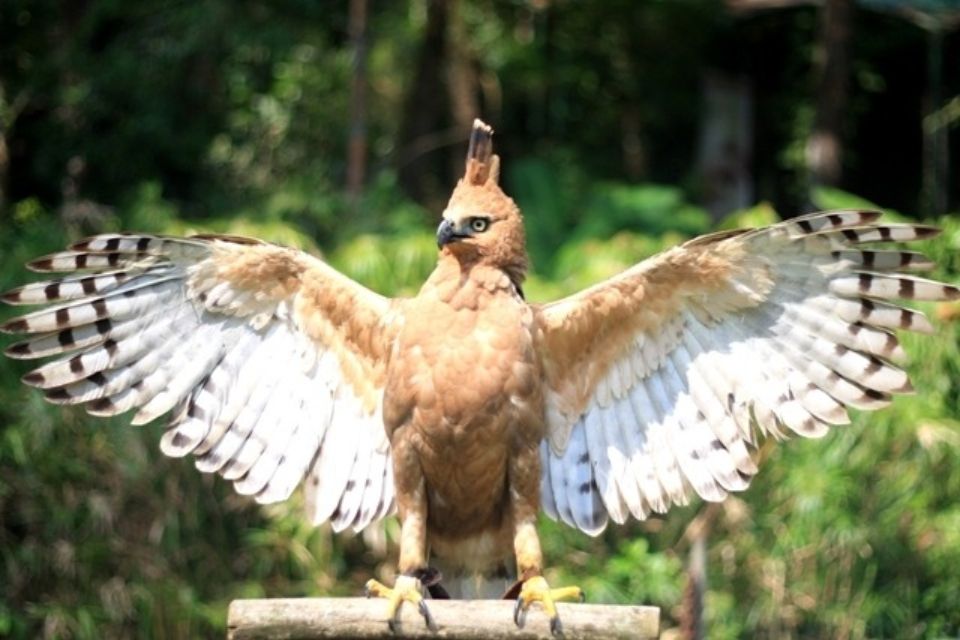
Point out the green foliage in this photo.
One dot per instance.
(849, 536)
(652, 209)
(855, 535)
(398, 263)
(829, 198)
(565, 215)
(232, 117)
(634, 574)
(758, 215)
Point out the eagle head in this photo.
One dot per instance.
(481, 224)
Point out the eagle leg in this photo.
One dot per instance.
(534, 586)
(406, 589)
(525, 485)
(536, 589)
(414, 573)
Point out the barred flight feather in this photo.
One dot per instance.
(575, 488)
(548, 501)
(665, 463)
(644, 391)
(795, 326)
(626, 415)
(337, 456)
(720, 460)
(268, 425)
(881, 233)
(643, 467)
(270, 363)
(136, 330)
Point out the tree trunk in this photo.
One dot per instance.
(936, 158)
(824, 151)
(10, 110)
(4, 171)
(7, 117)
(357, 148)
(420, 175)
(692, 620)
(726, 144)
(462, 83)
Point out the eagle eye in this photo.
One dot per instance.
(479, 225)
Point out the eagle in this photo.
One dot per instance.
(465, 409)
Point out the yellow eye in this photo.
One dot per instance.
(479, 224)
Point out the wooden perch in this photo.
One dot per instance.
(355, 618)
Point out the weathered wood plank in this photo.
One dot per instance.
(359, 618)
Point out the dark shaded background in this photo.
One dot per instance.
(625, 127)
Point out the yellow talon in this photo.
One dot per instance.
(536, 589)
(406, 588)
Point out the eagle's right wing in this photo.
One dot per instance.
(270, 362)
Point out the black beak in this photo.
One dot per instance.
(446, 234)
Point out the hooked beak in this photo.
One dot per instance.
(447, 233)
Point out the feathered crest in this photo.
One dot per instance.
(483, 165)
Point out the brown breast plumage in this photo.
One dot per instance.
(462, 393)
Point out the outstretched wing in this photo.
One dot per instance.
(270, 363)
(658, 379)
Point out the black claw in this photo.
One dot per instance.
(556, 628)
(437, 592)
(519, 614)
(367, 593)
(428, 576)
(583, 596)
(425, 612)
(394, 625)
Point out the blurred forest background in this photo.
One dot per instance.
(625, 126)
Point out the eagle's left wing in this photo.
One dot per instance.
(658, 378)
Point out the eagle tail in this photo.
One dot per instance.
(460, 584)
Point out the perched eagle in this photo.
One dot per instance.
(467, 409)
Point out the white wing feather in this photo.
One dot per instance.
(799, 330)
(160, 329)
